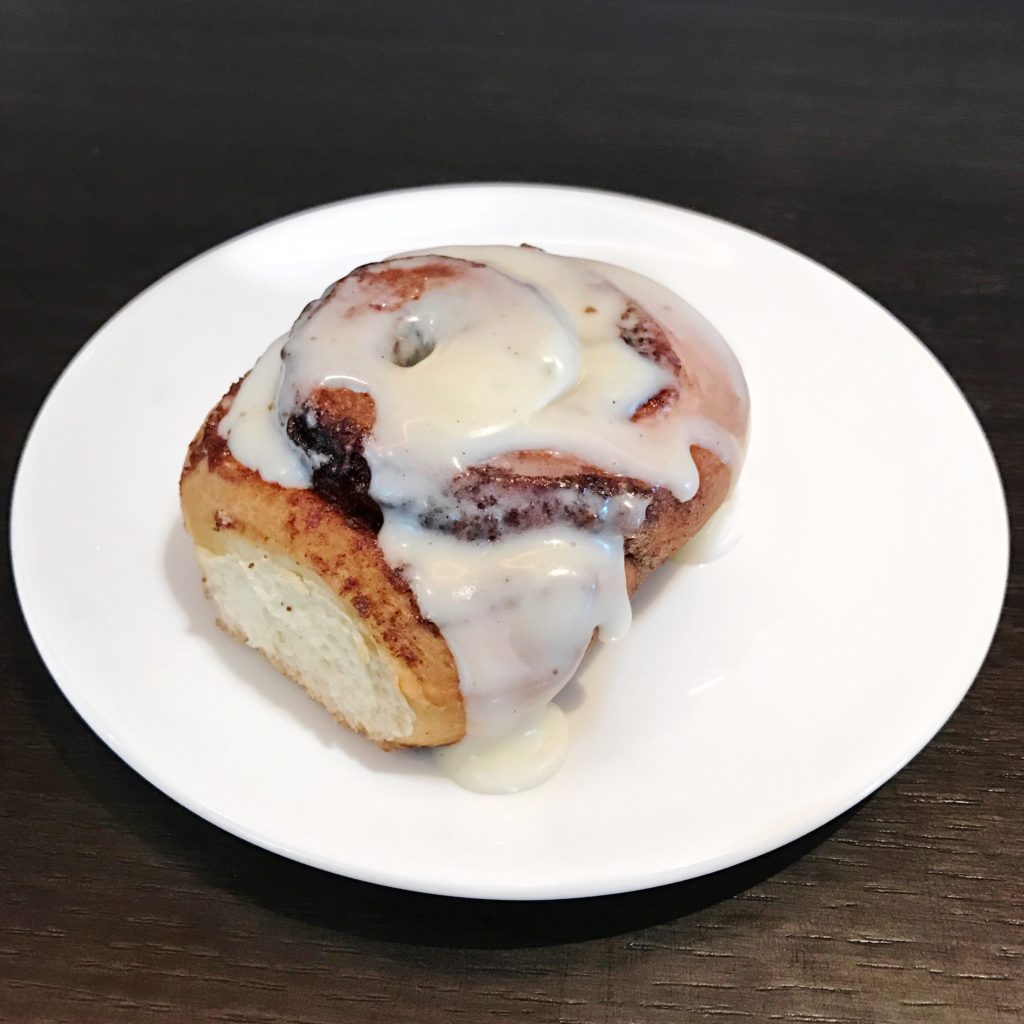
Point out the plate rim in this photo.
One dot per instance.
(623, 882)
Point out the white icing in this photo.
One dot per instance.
(491, 352)
(511, 371)
(254, 430)
(524, 757)
(518, 614)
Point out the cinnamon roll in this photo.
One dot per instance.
(427, 499)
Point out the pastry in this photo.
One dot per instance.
(425, 501)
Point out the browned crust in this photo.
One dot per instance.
(670, 523)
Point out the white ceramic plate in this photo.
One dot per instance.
(755, 698)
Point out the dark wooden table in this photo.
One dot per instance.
(885, 140)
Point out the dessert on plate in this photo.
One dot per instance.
(426, 500)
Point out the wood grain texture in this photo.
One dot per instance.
(885, 140)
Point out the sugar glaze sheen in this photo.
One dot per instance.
(505, 357)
